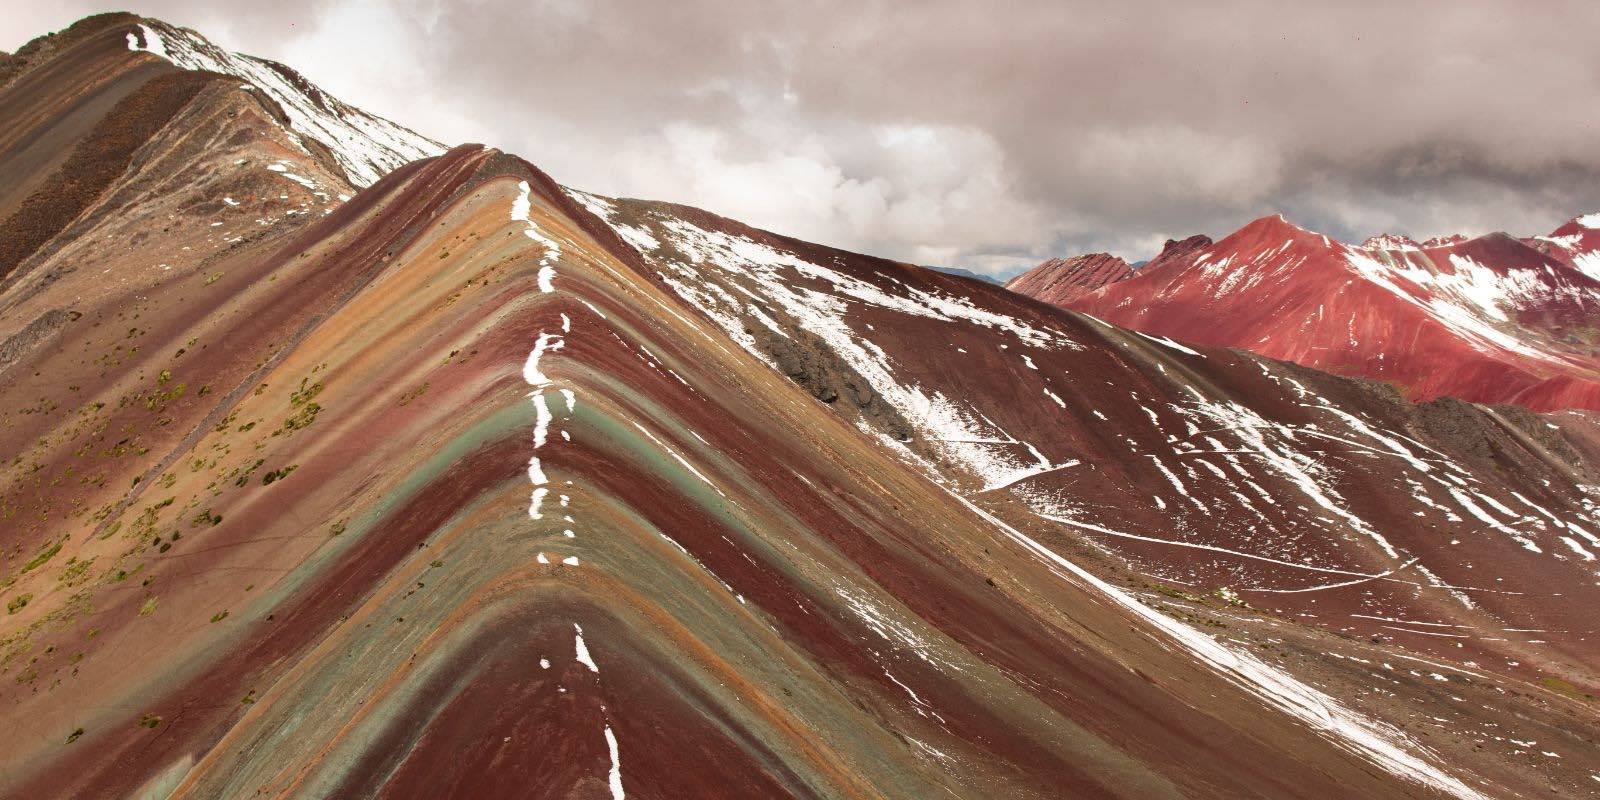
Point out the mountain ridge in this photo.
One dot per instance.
(1504, 317)
(1061, 280)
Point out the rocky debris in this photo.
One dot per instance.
(35, 333)
(808, 361)
(1458, 422)
(1538, 428)
(1488, 433)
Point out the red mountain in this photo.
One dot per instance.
(1577, 244)
(1491, 319)
(1177, 251)
(1061, 280)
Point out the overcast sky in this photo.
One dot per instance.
(983, 135)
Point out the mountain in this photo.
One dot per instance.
(1180, 251)
(1390, 241)
(366, 147)
(1061, 280)
(965, 273)
(1577, 244)
(466, 483)
(1492, 319)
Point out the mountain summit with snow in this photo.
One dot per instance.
(366, 147)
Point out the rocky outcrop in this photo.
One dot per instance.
(1180, 251)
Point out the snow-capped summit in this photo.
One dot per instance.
(366, 146)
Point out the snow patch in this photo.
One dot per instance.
(582, 650)
(366, 147)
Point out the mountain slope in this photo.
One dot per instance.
(1578, 244)
(1320, 498)
(474, 485)
(706, 576)
(1492, 319)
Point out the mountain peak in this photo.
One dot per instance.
(1581, 224)
(1272, 233)
(365, 146)
(1179, 251)
(1275, 224)
(1390, 241)
(1444, 241)
(1061, 279)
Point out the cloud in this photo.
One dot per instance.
(988, 136)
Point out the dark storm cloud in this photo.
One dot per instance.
(985, 135)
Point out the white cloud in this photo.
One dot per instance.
(1175, 160)
(933, 195)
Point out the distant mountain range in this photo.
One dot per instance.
(1491, 319)
(966, 273)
